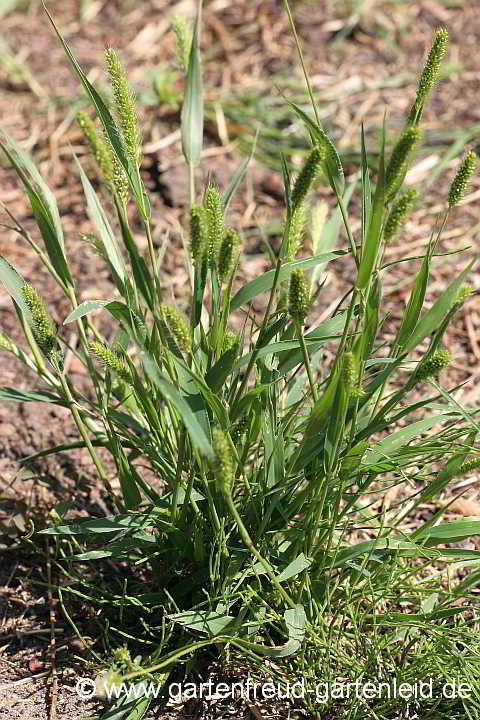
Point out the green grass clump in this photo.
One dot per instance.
(250, 509)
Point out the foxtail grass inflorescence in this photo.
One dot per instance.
(183, 41)
(432, 366)
(178, 325)
(43, 327)
(306, 176)
(398, 214)
(298, 296)
(430, 74)
(224, 461)
(98, 147)
(124, 104)
(230, 340)
(215, 223)
(198, 232)
(461, 180)
(296, 229)
(227, 254)
(111, 360)
(6, 343)
(399, 159)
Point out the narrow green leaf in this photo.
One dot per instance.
(415, 301)
(235, 182)
(171, 394)
(451, 532)
(98, 217)
(13, 283)
(217, 375)
(433, 318)
(298, 565)
(141, 274)
(44, 206)
(18, 395)
(208, 622)
(332, 164)
(192, 110)
(387, 447)
(295, 621)
(85, 308)
(265, 281)
(374, 232)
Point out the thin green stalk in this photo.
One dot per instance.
(256, 349)
(302, 62)
(348, 229)
(249, 544)
(178, 473)
(306, 360)
(85, 436)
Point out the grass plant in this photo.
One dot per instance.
(249, 495)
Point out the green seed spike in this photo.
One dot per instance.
(429, 75)
(461, 296)
(227, 254)
(198, 232)
(124, 104)
(120, 179)
(398, 214)
(468, 467)
(298, 296)
(215, 223)
(296, 230)
(350, 371)
(98, 147)
(398, 165)
(111, 360)
(96, 244)
(307, 176)
(6, 343)
(183, 41)
(230, 340)
(462, 179)
(43, 327)
(224, 462)
(178, 325)
(432, 366)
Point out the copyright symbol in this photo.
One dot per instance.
(85, 688)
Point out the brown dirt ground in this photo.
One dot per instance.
(360, 65)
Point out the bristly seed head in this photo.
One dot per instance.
(461, 296)
(178, 325)
(43, 327)
(215, 223)
(230, 340)
(124, 104)
(431, 367)
(430, 73)
(350, 371)
(227, 255)
(296, 230)
(6, 343)
(298, 296)
(98, 147)
(183, 41)
(306, 176)
(398, 214)
(111, 360)
(398, 165)
(224, 461)
(462, 179)
(198, 232)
